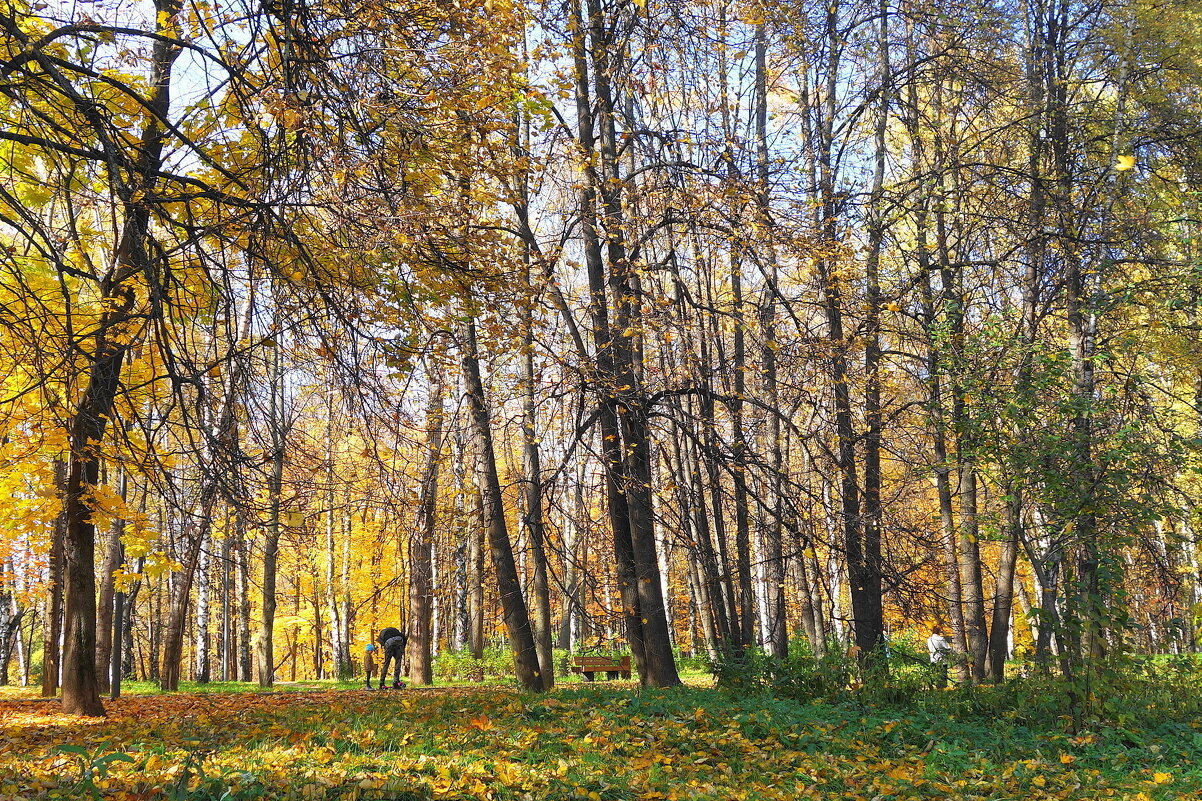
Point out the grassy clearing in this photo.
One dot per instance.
(599, 742)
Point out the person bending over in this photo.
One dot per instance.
(393, 642)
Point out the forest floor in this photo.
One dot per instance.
(581, 742)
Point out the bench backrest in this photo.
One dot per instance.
(602, 662)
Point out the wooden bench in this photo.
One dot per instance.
(612, 667)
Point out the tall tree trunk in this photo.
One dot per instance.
(53, 625)
(1003, 594)
(517, 621)
(617, 503)
(81, 685)
(242, 582)
(534, 520)
(934, 367)
(104, 603)
(264, 645)
(775, 625)
(659, 666)
(863, 567)
(195, 533)
(117, 639)
(873, 516)
(421, 543)
(739, 458)
(117, 330)
(202, 641)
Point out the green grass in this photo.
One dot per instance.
(608, 741)
(612, 741)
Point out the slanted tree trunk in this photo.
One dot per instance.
(118, 328)
(513, 604)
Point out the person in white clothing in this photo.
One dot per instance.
(938, 646)
(940, 649)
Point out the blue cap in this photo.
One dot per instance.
(371, 647)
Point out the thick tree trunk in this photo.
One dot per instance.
(112, 344)
(81, 684)
(621, 372)
(1003, 594)
(971, 582)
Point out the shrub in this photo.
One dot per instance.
(495, 663)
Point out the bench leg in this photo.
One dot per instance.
(588, 675)
(611, 674)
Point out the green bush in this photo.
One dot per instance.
(801, 676)
(495, 663)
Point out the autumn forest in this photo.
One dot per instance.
(719, 335)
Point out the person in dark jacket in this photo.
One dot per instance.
(393, 642)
